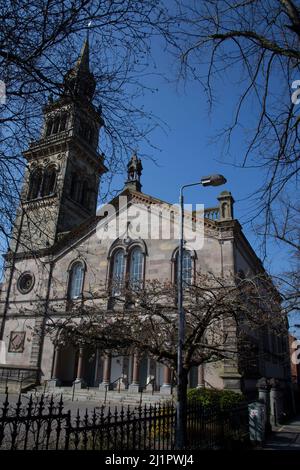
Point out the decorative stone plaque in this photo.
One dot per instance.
(16, 341)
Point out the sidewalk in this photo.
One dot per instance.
(285, 437)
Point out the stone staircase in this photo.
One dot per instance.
(16, 387)
(16, 379)
(10, 387)
(94, 394)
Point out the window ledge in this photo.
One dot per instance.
(40, 200)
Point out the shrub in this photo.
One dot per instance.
(219, 399)
(230, 399)
(162, 424)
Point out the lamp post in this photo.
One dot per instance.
(181, 406)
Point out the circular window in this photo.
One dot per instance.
(25, 282)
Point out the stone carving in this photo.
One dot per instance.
(16, 341)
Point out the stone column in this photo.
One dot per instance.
(151, 375)
(277, 410)
(263, 388)
(226, 203)
(105, 384)
(2, 350)
(166, 388)
(200, 378)
(78, 382)
(54, 381)
(125, 373)
(232, 379)
(96, 370)
(134, 387)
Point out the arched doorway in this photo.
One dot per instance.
(92, 367)
(67, 365)
(88, 370)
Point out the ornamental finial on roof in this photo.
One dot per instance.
(134, 172)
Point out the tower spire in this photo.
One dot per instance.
(83, 61)
(79, 81)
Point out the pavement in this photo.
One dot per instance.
(285, 437)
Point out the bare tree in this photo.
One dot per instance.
(257, 43)
(39, 41)
(284, 229)
(225, 318)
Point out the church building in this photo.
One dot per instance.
(56, 258)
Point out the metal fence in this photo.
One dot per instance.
(42, 424)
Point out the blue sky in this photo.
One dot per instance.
(187, 150)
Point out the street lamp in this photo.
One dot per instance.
(181, 406)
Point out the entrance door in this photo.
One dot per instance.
(90, 363)
(143, 371)
(67, 365)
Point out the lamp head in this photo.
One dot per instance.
(213, 180)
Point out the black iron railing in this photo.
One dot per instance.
(142, 389)
(118, 381)
(42, 423)
(110, 386)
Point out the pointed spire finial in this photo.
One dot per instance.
(79, 80)
(134, 172)
(83, 61)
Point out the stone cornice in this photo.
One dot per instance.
(40, 202)
(85, 106)
(147, 199)
(48, 146)
(228, 229)
(28, 255)
(61, 142)
(222, 230)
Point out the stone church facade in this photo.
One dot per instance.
(56, 258)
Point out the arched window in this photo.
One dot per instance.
(91, 136)
(117, 277)
(76, 281)
(63, 122)
(187, 268)
(49, 181)
(75, 187)
(187, 265)
(85, 193)
(136, 268)
(49, 127)
(35, 184)
(55, 125)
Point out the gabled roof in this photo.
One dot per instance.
(90, 224)
(76, 235)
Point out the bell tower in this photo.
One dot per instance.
(64, 167)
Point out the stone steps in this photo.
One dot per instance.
(112, 397)
(15, 387)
